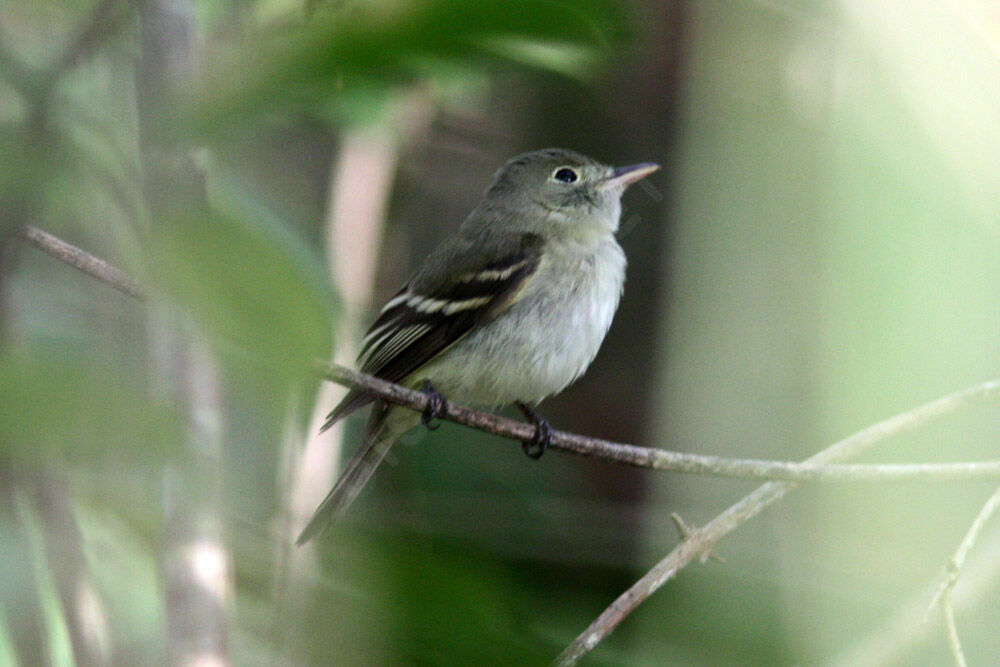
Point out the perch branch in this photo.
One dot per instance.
(698, 542)
(698, 464)
(643, 457)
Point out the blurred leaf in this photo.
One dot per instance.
(571, 60)
(251, 287)
(104, 158)
(55, 401)
(368, 51)
(26, 163)
(71, 168)
(461, 606)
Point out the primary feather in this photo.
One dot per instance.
(431, 313)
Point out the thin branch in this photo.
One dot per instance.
(685, 530)
(951, 630)
(700, 541)
(698, 464)
(643, 457)
(905, 632)
(84, 261)
(943, 595)
(957, 561)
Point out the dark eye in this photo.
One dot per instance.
(565, 174)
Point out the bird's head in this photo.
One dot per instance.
(564, 187)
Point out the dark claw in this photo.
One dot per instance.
(436, 406)
(542, 437)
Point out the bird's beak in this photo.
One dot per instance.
(622, 177)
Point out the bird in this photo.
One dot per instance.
(510, 309)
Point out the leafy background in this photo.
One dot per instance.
(820, 251)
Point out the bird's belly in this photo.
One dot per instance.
(534, 349)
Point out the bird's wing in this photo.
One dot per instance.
(434, 310)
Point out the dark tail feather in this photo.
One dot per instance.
(357, 472)
(351, 402)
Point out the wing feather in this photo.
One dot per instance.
(430, 313)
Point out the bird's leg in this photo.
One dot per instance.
(542, 438)
(436, 406)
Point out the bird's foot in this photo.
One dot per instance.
(542, 438)
(436, 406)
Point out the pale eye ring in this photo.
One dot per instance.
(565, 175)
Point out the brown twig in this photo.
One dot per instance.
(84, 261)
(906, 631)
(698, 464)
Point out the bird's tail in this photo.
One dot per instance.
(385, 426)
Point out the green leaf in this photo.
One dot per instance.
(59, 402)
(369, 52)
(251, 287)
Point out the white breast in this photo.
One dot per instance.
(545, 340)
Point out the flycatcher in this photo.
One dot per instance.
(509, 310)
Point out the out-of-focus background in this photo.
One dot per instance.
(821, 250)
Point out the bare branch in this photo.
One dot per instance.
(643, 457)
(943, 594)
(951, 629)
(84, 261)
(701, 540)
(662, 459)
(698, 543)
(901, 635)
(957, 561)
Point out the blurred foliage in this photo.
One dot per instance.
(837, 262)
(347, 59)
(255, 291)
(95, 411)
(825, 252)
(78, 400)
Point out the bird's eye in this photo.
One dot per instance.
(565, 175)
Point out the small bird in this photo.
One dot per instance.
(511, 309)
